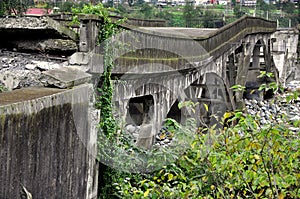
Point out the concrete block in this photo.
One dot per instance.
(146, 136)
(65, 77)
(96, 63)
(79, 58)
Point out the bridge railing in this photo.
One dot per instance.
(232, 32)
(216, 42)
(176, 50)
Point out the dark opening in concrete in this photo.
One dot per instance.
(175, 112)
(139, 110)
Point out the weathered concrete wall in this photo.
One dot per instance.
(47, 145)
(285, 54)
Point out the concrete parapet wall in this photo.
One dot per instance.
(194, 49)
(47, 145)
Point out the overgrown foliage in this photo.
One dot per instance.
(14, 7)
(2, 88)
(248, 160)
(106, 31)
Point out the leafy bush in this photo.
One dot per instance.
(2, 88)
(248, 160)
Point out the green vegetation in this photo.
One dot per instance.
(246, 160)
(107, 30)
(16, 7)
(2, 88)
(210, 16)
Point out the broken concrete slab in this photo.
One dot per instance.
(94, 61)
(47, 45)
(79, 58)
(63, 30)
(44, 65)
(65, 77)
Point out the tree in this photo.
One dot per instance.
(188, 12)
(288, 7)
(67, 6)
(16, 7)
(147, 11)
(262, 5)
(2, 9)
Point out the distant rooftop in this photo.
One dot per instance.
(38, 11)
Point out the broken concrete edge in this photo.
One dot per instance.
(65, 77)
(25, 106)
(88, 17)
(62, 29)
(47, 45)
(94, 61)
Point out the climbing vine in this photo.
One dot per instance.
(106, 31)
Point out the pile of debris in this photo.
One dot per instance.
(18, 70)
(283, 108)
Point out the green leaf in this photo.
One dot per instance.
(238, 88)
(170, 176)
(206, 107)
(146, 193)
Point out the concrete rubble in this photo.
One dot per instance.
(277, 110)
(24, 22)
(19, 70)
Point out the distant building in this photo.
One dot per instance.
(249, 3)
(224, 2)
(38, 11)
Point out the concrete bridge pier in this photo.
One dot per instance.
(88, 33)
(250, 62)
(155, 111)
(231, 69)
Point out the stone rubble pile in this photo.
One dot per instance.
(277, 110)
(133, 130)
(24, 22)
(18, 70)
(293, 85)
(164, 137)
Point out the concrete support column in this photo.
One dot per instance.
(231, 70)
(153, 122)
(270, 66)
(242, 72)
(122, 107)
(267, 56)
(255, 57)
(88, 35)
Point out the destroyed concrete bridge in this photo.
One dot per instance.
(155, 68)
